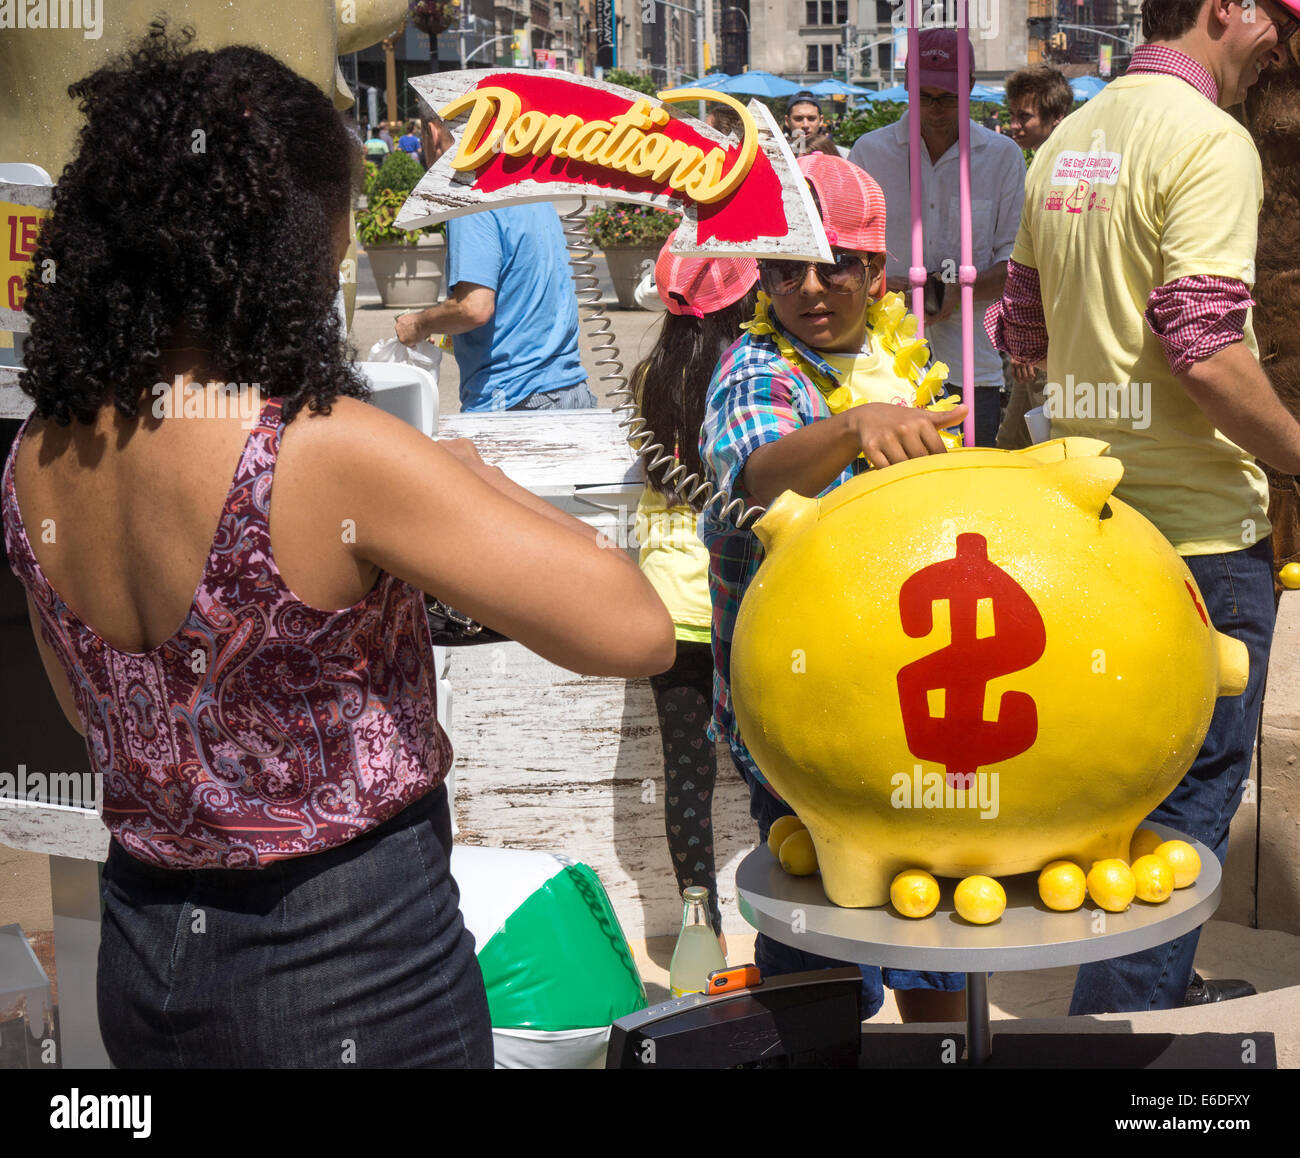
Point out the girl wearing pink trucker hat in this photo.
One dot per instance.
(707, 300)
(806, 400)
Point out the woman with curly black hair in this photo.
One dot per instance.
(277, 890)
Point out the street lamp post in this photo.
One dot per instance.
(486, 44)
(873, 44)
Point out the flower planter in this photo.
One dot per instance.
(409, 275)
(625, 269)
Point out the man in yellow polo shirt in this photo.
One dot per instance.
(1131, 276)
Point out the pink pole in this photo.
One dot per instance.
(966, 272)
(916, 272)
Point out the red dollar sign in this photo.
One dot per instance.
(961, 739)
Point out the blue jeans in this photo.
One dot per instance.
(577, 397)
(988, 411)
(1237, 589)
(355, 957)
(775, 957)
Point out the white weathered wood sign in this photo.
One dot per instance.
(522, 136)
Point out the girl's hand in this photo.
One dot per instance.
(888, 434)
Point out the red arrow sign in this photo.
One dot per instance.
(524, 137)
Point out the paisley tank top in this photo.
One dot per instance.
(264, 728)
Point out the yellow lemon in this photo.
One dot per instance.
(798, 856)
(782, 827)
(1154, 878)
(914, 893)
(980, 900)
(1183, 859)
(1062, 886)
(1111, 885)
(1144, 842)
(1290, 576)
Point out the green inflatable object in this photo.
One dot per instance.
(561, 961)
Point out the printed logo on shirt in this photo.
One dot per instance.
(1082, 197)
(1096, 168)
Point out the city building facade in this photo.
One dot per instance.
(673, 42)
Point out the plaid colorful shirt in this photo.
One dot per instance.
(1193, 317)
(756, 396)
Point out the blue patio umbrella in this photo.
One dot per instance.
(981, 92)
(756, 82)
(834, 87)
(711, 81)
(1086, 87)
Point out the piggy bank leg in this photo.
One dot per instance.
(854, 879)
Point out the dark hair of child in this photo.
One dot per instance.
(673, 380)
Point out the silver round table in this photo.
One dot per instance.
(1029, 935)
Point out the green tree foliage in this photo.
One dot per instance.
(400, 171)
(631, 80)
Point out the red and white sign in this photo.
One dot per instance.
(520, 136)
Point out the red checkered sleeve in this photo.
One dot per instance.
(1195, 317)
(1015, 325)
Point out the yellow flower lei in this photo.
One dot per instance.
(895, 330)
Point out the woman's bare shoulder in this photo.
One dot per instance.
(353, 429)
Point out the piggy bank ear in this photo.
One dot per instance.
(1060, 448)
(789, 514)
(1087, 482)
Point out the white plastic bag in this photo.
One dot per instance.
(646, 295)
(425, 355)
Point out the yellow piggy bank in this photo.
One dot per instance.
(976, 662)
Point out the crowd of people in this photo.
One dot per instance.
(279, 750)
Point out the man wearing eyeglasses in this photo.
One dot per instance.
(997, 172)
(1131, 276)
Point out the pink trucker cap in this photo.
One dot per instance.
(937, 50)
(852, 204)
(702, 285)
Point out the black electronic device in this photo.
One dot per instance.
(796, 1021)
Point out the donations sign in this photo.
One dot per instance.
(523, 137)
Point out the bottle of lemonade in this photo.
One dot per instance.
(698, 952)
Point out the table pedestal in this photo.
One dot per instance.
(795, 911)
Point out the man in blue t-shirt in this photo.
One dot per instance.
(513, 311)
(409, 142)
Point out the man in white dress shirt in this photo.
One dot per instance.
(997, 194)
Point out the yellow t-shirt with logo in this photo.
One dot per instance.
(869, 377)
(1147, 183)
